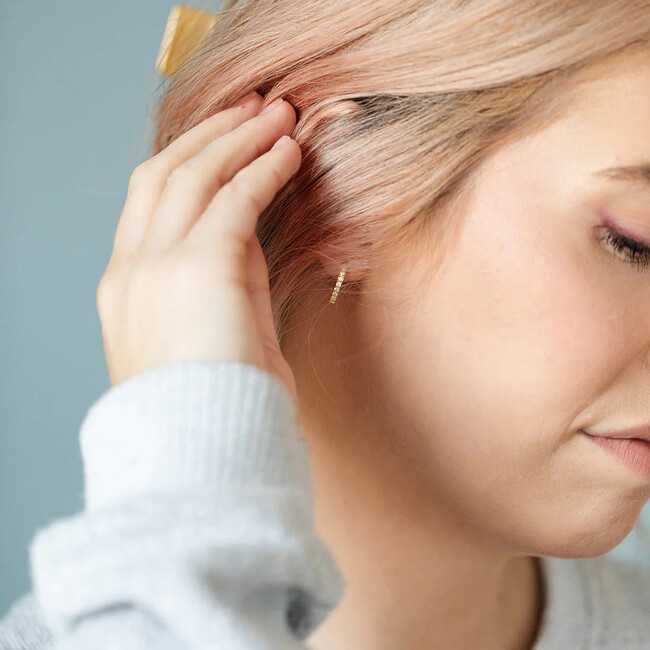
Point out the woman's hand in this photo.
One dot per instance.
(187, 279)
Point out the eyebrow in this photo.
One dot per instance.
(639, 174)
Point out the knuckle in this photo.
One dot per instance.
(244, 189)
(105, 291)
(142, 175)
(257, 147)
(184, 174)
(276, 177)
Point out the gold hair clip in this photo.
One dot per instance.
(185, 30)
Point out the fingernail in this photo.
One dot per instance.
(273, 105)
(244, 100)
(281, 142)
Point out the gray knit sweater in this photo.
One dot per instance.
(198, 532)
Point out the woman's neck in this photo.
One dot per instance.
(418, 574)
(414, 578)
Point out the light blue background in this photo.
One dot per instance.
(77, 92)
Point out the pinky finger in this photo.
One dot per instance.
(234, 210)
(259, 290)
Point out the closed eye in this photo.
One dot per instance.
(630, 250)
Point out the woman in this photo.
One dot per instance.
(470, 183)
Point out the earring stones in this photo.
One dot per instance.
(339, 282)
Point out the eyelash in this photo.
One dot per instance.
(634, 252)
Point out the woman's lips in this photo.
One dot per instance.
(633, 452)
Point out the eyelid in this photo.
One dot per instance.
(608, 222)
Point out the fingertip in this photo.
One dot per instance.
(251, 99)
(283, 142)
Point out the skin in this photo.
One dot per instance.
(442, 418)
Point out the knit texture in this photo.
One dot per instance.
(198, 532)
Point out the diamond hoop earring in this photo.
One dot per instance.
(339, 282)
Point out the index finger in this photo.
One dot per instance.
(148, 179)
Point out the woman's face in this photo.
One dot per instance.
(533, 328)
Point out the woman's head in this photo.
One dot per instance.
(397, 104)
(452, 157)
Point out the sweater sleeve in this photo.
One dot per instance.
(198, 529)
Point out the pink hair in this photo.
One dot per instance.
(398, 103)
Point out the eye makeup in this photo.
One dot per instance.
(630, 249)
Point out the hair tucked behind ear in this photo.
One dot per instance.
(398, 103)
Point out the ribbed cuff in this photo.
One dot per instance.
(192, 426)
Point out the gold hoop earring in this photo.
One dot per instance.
(339, 282)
